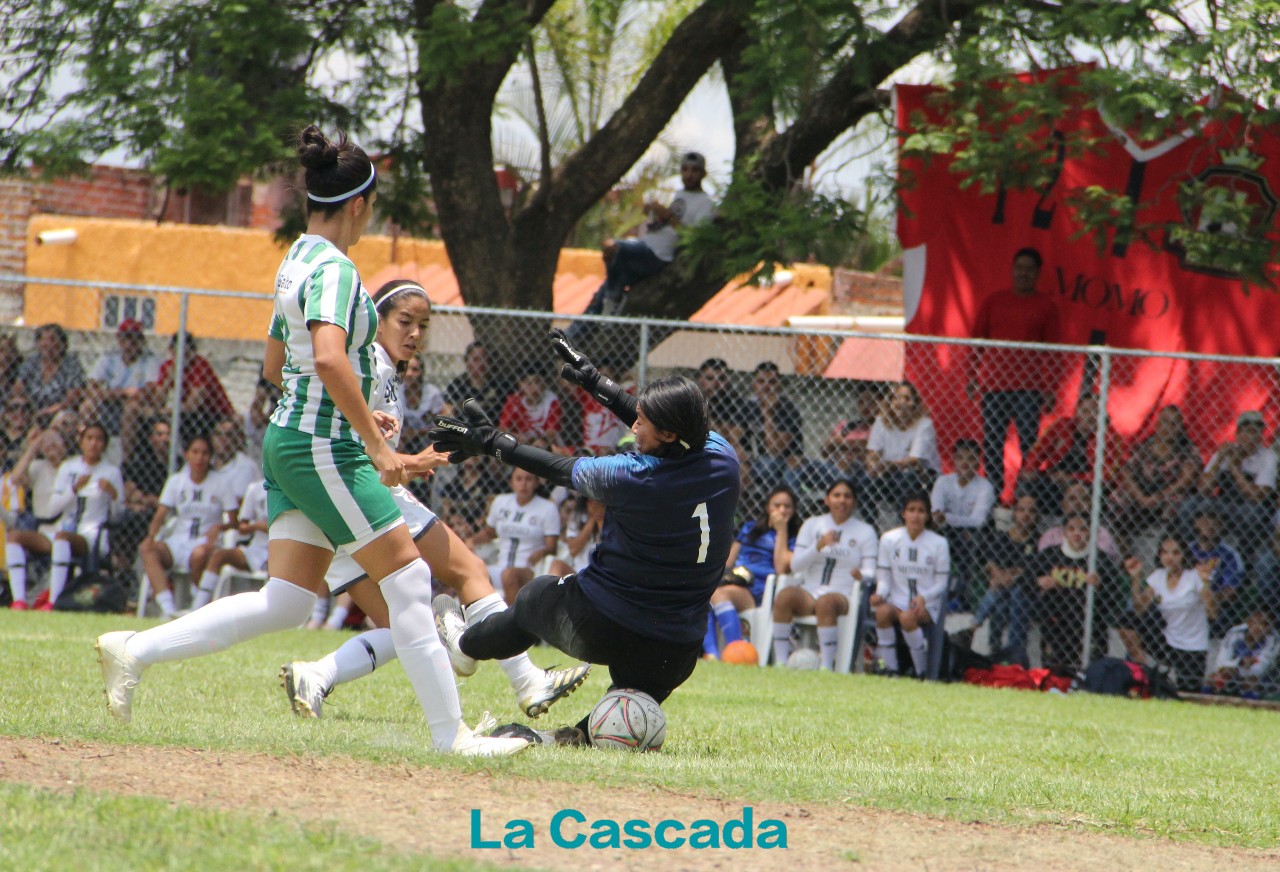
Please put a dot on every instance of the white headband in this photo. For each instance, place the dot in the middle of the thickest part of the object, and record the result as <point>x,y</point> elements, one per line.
<point>413,287</point>
<point>367,182</point>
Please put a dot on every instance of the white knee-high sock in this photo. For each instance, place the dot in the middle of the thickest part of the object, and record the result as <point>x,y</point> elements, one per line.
<point>827,646</point>
<point>413,629</point>
<point>781,643</point>
<point>204,593</point>
<point>164,599</point>
<point>61,569</point>
<point>887,648</point>
<point>15,558</point>
<point>337,617</point>
<point>915,643</point>
<point>321,611</point>
<point>280,605</point>
<point>357,657</point>
<point>520,669</point>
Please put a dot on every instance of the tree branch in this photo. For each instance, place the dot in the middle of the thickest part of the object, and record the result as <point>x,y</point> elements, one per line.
<point>851,93</point>
<point>483,78</point>
<point>587,174</point>
<point>750,128</point>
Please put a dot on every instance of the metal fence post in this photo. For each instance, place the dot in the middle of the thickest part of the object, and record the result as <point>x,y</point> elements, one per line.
<point>1095,509</point>
<point>179,365</point>
<point>642,365</point>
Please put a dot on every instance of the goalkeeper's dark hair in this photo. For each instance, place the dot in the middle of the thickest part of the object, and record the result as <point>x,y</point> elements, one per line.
<point>677,406</point>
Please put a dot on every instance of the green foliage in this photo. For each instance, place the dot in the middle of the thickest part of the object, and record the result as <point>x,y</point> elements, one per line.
<point>208,92</point>
<point>453,38</point>
<point>405,198</point>
<point>203,93</point>
<point>796,48</point>
<point>1161,73</point>
<point>754,233</point>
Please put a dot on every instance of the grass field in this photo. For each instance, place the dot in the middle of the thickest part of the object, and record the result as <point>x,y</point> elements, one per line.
<point>736,736</point>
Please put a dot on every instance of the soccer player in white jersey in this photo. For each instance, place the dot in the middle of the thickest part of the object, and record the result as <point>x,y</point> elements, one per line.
<point>911,583</point>
<point>197,505</point>
<point>251,556</point>
<point>527,528</point>
<point>327,466</point>
<point>832,552</point>
<point>87,493</point>
<point>404,312</point>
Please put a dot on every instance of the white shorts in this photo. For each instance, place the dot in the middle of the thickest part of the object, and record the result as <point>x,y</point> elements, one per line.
<point>255,554</point>
<point>181,547</point>
<point>901,600</point>
<point>818,591</point>
<point>95,537</point>
<point>344,571</point>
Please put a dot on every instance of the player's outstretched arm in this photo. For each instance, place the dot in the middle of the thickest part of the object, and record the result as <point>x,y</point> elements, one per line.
<point>581,372</point>
<point>477,437</point>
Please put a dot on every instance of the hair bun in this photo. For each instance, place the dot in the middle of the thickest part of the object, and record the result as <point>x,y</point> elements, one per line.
<point>315,151</point>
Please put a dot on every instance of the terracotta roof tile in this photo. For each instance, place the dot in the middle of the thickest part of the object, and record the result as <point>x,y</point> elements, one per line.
<point>733,304</point>
<point>868,360</point>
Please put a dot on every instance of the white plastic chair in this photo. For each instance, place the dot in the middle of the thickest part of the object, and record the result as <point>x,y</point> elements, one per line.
<point>760,620</point>
<point>846,627</point>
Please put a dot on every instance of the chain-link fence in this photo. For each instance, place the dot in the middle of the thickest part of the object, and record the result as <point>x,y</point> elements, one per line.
<point>1160,546</point>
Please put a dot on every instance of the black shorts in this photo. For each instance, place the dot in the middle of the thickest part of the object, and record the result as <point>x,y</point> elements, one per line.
<point>556,611</point>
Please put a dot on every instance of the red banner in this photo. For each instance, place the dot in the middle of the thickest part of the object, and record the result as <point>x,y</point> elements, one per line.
<point>1125,292</point>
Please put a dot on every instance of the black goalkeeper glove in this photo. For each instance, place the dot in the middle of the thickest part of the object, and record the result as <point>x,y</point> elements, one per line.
<point>474,437</point>
<point>580,371</point>
<point>577,369</point>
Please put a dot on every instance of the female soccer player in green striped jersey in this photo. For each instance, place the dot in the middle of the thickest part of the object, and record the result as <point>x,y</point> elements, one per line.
<point>327,466</point>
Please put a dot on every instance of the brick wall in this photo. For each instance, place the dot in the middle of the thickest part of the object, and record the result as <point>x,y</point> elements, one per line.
<point>118,192</point>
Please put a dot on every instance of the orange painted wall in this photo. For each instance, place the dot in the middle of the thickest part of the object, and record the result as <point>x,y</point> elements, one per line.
<point>194,256</point>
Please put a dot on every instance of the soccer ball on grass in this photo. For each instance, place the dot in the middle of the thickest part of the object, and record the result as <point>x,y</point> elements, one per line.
<point>628,720</point>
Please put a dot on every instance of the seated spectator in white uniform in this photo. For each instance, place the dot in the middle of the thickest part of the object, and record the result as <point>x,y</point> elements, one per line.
<point>197,505</point>
<point>832,552</point>
<point>911,584</point>
<point>250,551</point>
<point>527,528</point>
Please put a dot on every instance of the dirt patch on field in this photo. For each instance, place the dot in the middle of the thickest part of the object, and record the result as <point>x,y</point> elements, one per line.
<point>428,811</point>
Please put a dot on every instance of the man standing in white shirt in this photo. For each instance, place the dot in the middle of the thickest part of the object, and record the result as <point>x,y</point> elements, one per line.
<point>632,260</point>
<point>962,502</point>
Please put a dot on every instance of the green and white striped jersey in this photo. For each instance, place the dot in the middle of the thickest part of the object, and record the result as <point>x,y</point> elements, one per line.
<point>316,282</point>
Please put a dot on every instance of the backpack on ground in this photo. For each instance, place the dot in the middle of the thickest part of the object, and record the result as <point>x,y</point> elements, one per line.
<point>92,592</point>
<point>1112,675</point>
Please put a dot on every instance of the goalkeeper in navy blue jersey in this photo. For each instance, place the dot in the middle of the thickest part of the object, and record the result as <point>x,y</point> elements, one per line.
<point>640,606</point>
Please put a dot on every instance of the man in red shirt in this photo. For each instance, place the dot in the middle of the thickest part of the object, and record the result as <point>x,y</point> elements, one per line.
<point>1014,384</point>
<point>204,400</point>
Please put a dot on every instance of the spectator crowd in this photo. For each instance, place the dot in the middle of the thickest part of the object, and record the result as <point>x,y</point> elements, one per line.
<point>1186,573</point>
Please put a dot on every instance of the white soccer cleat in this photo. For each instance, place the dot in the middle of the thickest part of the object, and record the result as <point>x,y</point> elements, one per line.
<point>305,691</point>
<point>450,624</point>
<point>121,673</point>
<point>475,743</point>
<point>554,685</point>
